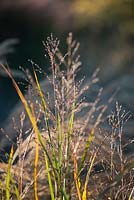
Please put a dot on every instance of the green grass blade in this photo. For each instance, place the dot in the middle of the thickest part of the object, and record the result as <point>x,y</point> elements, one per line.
<point>49,179</point>
<point>43,105</point>
<point>87,146</point>
<point>66,197</point>
<point>8,177</point>
<point>16,191</point>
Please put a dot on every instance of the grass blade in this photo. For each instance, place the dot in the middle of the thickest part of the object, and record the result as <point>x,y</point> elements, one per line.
<point>8,177</point>
<point>84,195</point>
<point>87,146</point>
<point>49,179</point>
<point>36,156</point>
<point>76,179</point>
<point>16,190</point>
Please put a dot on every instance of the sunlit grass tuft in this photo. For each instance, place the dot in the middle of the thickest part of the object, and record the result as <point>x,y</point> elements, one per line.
<point>69,146</point>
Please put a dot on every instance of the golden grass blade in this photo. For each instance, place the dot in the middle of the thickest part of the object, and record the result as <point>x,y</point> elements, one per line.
<point>77,181</point>
<point>1,190</point>
<point>84,195</point>
<point>26,106</point>
<point>36,156</point>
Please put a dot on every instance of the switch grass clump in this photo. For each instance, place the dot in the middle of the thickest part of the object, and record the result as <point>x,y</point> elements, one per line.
<point>70,158</point>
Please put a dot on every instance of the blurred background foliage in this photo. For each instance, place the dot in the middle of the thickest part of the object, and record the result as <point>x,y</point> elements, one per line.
<point>111,25</point>
<point>105,29</point>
